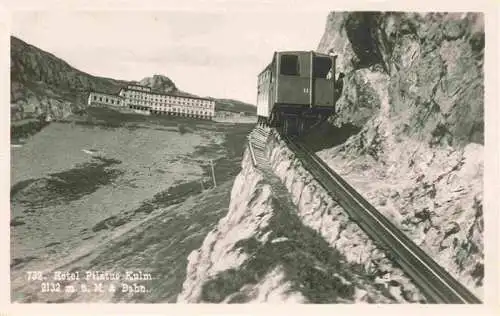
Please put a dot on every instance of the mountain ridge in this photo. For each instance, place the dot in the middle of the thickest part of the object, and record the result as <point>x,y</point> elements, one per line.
<point>42,83</point>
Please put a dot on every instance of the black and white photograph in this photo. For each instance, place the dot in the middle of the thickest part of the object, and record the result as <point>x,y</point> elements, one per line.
<point>229,156</point>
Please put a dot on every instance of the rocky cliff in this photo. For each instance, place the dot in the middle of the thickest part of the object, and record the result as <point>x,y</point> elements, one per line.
<point>159,84</point>
<point>427,67</point>
<point>409,131</point>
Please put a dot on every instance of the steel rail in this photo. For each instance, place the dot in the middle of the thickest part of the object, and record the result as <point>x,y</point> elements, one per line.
<point>252,154</point>
<point>436,284</point>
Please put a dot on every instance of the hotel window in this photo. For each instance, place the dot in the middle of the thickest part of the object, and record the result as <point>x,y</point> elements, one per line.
<point>100,98</point>
<point>95,97</point>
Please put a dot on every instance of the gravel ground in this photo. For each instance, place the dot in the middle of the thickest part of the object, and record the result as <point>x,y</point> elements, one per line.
<point>101,192</point>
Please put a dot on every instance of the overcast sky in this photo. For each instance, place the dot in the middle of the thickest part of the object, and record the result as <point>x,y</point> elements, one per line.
<point>207,53</point>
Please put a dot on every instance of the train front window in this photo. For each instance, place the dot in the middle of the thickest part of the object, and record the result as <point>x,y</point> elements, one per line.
<point>289,65</point>
<point>322,66</point>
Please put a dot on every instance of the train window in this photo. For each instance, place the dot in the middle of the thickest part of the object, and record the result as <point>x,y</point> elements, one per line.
<point>321,67</point>
<point>289,65</point>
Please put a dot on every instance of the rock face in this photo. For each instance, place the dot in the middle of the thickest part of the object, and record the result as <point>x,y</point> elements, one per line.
<point>434,196</point>
<point>41,83</point>
<point>433,64</point>
<point>159,83</point>
<point>414,93</point>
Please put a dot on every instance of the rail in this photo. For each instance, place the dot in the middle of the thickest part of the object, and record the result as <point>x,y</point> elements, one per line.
<point>254,161</point>
<point>437,285</point>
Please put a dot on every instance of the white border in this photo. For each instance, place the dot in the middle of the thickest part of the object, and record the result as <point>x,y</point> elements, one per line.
<point>492,133</point>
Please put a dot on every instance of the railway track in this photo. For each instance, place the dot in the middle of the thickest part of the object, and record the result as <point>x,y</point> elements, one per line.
<point>257,141</point>
<point>437,285</point>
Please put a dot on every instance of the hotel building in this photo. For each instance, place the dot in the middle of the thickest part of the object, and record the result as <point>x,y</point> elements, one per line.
<point>143,98</point>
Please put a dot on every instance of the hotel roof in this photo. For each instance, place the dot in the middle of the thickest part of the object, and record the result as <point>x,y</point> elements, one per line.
<point>174,95</point>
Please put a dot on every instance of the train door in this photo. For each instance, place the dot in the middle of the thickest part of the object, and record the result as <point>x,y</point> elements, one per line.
<point>323,79</point>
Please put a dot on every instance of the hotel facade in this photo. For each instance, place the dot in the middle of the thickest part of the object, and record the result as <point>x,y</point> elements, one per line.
<point>143,98</point>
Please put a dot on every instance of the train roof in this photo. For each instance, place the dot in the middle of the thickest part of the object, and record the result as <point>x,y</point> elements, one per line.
<point>294,52</point>
<point>299,52</point>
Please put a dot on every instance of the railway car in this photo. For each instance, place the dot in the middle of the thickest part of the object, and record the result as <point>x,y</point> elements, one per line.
<point>296,90</point>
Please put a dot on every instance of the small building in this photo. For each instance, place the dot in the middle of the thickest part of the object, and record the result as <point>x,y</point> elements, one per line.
<point>104,99</point>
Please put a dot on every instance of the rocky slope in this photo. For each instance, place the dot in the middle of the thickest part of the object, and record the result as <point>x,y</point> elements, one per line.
<point>411,122</point>
<point>43,83</point>
<point>231,105</point>
<point>285,240</point>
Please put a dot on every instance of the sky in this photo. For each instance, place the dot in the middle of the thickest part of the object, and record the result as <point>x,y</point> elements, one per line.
<point>216,54</point>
